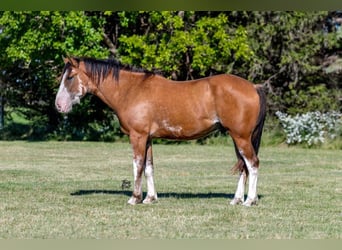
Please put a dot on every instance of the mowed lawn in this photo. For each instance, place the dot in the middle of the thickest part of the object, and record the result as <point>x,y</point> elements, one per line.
<point>68,190</point>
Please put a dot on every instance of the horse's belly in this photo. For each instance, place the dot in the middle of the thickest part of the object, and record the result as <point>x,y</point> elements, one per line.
<point>195,130</point>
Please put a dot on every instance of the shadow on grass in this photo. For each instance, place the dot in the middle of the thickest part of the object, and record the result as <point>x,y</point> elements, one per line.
<point>160,195</point>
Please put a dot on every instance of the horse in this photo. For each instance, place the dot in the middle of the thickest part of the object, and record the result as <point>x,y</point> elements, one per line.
<point>150,106</point>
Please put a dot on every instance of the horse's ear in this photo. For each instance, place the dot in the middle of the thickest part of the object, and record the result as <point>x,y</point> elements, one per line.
<point>73,61</point>
<point>66,59</point>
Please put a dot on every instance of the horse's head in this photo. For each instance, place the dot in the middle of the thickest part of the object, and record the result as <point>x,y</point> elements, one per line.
<point>73,85</point>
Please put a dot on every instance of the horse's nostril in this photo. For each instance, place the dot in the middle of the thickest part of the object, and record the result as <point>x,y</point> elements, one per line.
<point>58,107</point>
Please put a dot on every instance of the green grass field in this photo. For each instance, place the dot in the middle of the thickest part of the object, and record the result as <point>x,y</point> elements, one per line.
<point>68,190</point>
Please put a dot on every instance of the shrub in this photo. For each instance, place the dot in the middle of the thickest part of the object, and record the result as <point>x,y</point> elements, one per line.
<point>310,128</point>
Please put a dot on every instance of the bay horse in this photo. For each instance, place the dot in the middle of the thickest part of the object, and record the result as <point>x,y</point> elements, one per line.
<point>150,106</point>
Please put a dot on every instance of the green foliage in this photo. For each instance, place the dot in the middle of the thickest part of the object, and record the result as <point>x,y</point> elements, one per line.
<point>176,45</point>
<point>290,49</point>
<point>32,45</point>
<point>316,97</point>
<point>31,37</point>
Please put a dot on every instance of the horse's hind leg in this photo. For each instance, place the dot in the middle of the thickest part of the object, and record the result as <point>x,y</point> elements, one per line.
<point>240,190</point>
<point>242,169</point>
<point>247,152</point>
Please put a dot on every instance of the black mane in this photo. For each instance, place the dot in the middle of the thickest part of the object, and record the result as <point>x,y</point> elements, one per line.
<point>98,69</point>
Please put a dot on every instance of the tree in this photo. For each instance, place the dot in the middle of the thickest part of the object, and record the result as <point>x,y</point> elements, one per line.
<point>32,47</point>
<point>184,45</point>
<point>290,49</point>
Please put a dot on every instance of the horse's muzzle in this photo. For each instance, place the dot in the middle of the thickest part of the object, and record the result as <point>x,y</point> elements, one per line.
<point>63,107</point>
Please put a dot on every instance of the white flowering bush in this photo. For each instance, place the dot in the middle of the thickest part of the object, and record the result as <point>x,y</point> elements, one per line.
<point>311,128</point>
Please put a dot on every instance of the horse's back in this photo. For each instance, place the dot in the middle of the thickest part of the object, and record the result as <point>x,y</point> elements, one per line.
<point>231,82</point>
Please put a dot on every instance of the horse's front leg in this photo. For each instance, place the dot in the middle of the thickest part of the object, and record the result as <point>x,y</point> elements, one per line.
<point>151,192</point>
<point>138,143</point>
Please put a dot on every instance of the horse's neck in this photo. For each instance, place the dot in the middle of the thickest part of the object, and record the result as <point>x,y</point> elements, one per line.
<point>115,92</point>
<point>106,91</point>
<point>111,92</point>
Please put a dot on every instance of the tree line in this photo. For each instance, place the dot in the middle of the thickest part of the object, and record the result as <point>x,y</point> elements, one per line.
<point>296,55</point>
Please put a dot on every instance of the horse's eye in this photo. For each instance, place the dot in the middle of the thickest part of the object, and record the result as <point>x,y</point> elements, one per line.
<point>69,78</point>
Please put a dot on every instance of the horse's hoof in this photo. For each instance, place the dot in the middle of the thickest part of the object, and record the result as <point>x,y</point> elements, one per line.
<point>250,202</point>
<point>134,200</point>
<point>150,199</point>
<point>236,201</point>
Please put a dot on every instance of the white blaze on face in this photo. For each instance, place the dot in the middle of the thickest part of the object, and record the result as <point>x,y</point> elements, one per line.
<point>63,99</point>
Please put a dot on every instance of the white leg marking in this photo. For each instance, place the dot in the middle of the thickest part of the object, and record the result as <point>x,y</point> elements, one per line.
<point>135,169</point>
<point>151,192</point>
<point>133,200</point>
<point>252,197</point>
<point>240,191</point>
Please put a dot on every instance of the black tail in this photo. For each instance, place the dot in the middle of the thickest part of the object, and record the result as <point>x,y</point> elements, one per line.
<point>257,133</point>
